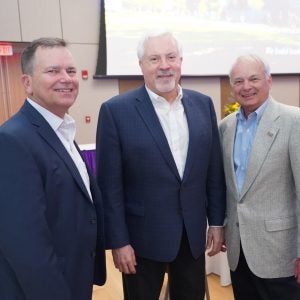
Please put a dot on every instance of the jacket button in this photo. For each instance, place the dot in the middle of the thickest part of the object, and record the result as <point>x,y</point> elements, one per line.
<point>237,224</point>
<point>93,254</point>
<point>93,221</point>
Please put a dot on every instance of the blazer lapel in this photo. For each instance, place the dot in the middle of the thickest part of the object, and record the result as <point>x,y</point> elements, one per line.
<point>146,110</point>
<point>228,141</point>
<point>264,138</point>
<point>47,133</point>
<point>195,127</point>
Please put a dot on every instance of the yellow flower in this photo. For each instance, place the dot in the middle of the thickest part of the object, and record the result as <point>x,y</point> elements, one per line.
<point>230,108</point>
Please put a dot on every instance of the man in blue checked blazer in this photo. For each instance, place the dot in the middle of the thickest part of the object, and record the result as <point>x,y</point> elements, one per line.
<point>160,171</point>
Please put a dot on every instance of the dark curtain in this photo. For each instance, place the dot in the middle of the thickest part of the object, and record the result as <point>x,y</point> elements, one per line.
<point>101,68</point>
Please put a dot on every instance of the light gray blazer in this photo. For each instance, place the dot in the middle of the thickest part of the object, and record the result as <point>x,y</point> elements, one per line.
<point>264,217</point>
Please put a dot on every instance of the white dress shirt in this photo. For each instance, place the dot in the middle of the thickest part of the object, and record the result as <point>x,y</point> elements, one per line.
<point>174,124</point>
<point>65,130</point>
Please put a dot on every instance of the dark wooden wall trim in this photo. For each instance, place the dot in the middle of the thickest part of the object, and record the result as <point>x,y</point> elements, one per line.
<point>128,84</point>
<point>226,96</point>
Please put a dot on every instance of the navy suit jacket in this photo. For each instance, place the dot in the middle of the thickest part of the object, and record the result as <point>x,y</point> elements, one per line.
<point>51,234</point>
<point>146,203</point>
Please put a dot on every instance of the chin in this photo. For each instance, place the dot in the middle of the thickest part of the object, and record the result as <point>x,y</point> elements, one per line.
<point>166,88</point>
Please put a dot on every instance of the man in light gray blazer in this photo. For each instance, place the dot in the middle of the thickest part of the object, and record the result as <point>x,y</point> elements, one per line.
<point>261,151</point>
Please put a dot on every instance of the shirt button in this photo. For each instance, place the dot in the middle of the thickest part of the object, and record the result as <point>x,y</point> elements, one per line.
<point>93,221</point>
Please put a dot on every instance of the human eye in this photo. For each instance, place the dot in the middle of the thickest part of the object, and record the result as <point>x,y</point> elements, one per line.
<point>172,57</point>
<point>154,59</point>
<point>237,82</point>
<point>254,79</point>
<point>71,71</point>
<point>52,71</point>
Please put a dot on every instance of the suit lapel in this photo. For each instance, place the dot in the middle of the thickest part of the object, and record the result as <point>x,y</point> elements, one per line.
<point>195,127</point>
<point>146,110</point>
<point>50,137</point>
<point>264,138</point>
<point>228,141</point>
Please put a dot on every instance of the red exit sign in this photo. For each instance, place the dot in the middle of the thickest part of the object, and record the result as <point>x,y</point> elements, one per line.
<point>6,50</point>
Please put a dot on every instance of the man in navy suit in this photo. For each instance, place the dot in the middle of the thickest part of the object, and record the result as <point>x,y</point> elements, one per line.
<point>160,170</point>
<point>51,224</point>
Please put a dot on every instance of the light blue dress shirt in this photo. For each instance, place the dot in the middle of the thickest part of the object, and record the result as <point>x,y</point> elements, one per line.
<point>244,137</point>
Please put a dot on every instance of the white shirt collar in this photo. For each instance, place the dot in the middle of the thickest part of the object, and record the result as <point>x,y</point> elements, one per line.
<point>54,121</point>
<point>161,103</point>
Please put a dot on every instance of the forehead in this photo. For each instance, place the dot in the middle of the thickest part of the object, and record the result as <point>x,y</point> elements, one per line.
<point>55,56</point>
<point>247,68</point>
<point>160,45</point>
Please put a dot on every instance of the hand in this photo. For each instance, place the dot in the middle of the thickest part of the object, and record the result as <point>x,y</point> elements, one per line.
<point>124,259</point>
<point>215,240</point>
<point>297,269</point>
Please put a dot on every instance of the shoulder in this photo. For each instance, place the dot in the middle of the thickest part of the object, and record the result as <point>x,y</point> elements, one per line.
<point>126,98</point>
<point>123,106</point>
<point>22,128</point>
<point>16,136</point>
<point>197,96</point>
<point>228,121</point>
<point>16,125</point>
<point>198,101</point>
<point>284,111</point>
<point>289,109</point>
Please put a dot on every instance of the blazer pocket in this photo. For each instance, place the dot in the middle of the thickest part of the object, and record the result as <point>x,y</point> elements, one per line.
<point>281,224</point>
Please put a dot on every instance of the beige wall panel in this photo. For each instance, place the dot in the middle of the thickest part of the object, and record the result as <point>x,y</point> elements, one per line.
<point>40,18</point>
<point>9,21</point>
<point>286,89</point>
<point>80,20</point>
<point>91,93</point>
<point>209,86</point>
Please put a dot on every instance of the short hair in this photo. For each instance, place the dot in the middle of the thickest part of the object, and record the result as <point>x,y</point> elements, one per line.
<point>27,57</point>
<point>251,58</point>
<point>157,33</point>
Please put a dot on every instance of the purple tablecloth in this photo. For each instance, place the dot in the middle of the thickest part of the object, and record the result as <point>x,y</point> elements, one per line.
<point>90,158</point>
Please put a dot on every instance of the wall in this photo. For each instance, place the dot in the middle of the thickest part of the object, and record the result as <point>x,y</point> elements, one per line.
<point>77,21</point>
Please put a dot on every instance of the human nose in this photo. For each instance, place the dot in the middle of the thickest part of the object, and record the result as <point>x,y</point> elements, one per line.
<point>164,64</point>
<point>65,76</point>
<point>247,84</point>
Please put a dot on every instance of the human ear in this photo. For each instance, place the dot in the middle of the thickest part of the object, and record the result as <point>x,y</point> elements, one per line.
<point>27,83</point>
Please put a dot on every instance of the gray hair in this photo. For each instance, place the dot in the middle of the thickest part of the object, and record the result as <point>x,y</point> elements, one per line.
<point>151,34</point>
<point>27,57</point>
<point>251,58</point>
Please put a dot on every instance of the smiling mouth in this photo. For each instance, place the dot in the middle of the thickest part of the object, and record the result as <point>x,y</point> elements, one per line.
<point>165,76</point>
<point>64,90</point>
<point>249,95</point>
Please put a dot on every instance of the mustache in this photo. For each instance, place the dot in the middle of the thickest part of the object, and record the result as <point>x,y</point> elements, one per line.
<point>165,73</point>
